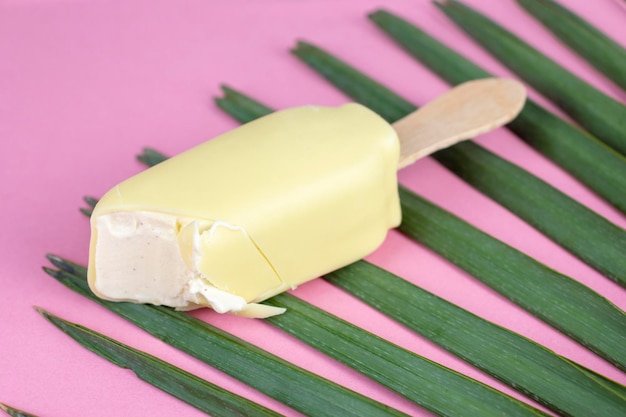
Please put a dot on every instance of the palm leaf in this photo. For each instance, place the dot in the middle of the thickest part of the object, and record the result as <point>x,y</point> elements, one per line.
<point>189,388</point>
<point>586,158</point>
<point>516,361</point>
<point>610,399</point>
<point>560,301</point>
<point>603,116</point>
<point>275,377</point>
<point>423,312</point>
<point>416,378</point>
<point>238,105</point>
<point>598,49</point>
<point>148,156</point>
<point>14,412</point>
<point>578,229</point>
<point>420,380</point>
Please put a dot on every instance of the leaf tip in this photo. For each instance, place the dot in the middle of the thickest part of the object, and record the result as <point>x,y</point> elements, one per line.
<point>52,272</point>
<point>373,15</point>
<point>53,258</point>
<point>223,91</point>
<point>60,263</point>
<point>56,321</point>
<point>226,89</point>
<point>42,311</point>
<point>228,92</point>
<point>301,45</point>
<point>294,49</point>
<point>91,201</point>
<point>87,212</point>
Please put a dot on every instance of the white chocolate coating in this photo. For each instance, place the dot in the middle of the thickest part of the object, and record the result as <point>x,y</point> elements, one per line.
<point>251,213</point>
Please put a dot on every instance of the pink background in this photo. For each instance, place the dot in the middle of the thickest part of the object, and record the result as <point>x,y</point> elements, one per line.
<point>85,84</point>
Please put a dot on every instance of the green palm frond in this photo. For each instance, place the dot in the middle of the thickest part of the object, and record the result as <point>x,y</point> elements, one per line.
<point>584,233</point>
<point>187,387</point>
<point>603,116</point>
<point>598,49</point>
<point>267,373</point>
<point>585,157</point>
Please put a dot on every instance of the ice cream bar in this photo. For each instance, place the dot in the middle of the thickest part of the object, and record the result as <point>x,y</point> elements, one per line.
<point>251,213</point>
<point>274,203</point>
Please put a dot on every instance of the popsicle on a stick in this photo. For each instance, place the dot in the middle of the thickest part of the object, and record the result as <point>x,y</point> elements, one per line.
<point>273,203</point>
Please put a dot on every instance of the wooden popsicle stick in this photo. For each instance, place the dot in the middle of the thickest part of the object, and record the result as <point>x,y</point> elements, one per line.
<point>467,110</point>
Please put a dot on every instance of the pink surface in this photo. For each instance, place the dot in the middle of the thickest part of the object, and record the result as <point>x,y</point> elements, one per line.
<point>85,84</point>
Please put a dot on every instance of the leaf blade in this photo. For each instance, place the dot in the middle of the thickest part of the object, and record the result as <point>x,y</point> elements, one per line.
<point>566,370</point>
<point>187,387</point>
<point>151,157</point>
<point>554,212</point>
<point>418,379</point>
<point>238,105</point>
<point>474,399</point>
<point>597,48</point>
<point>603,116</point>
<point>14,412</point>
<point>586,158</point>
<point>599,325</point>
<point>514,360</point>
<point>307,392</point>
<point>558,300</point>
